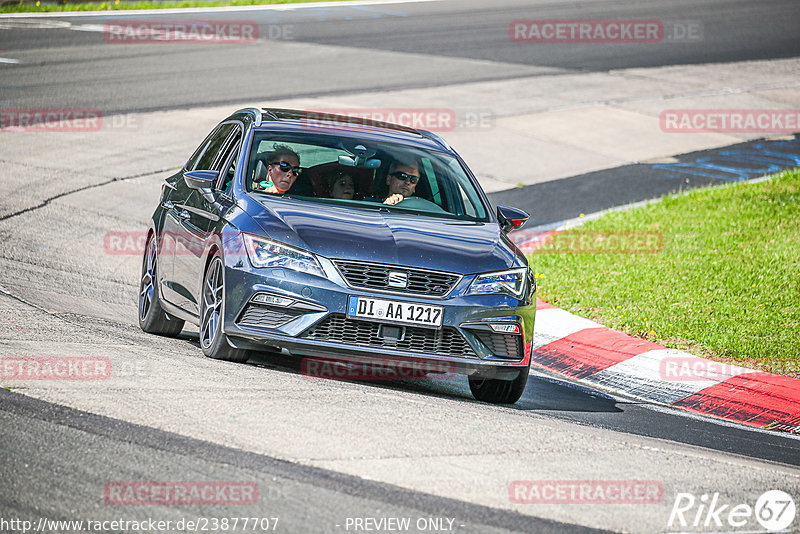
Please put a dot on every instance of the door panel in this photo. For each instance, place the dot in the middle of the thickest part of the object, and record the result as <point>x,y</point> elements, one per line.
<point>197,222</point>
<point>170,230</point>
<point>187,224</point>
<point>199,218</point>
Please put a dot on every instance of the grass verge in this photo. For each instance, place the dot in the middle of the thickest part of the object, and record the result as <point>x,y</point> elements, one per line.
<point>723,280</point>
<point>117,5</point>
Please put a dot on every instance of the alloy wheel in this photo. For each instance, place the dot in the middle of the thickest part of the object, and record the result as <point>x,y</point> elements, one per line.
<point>213,291</point>
<point>147,286</point>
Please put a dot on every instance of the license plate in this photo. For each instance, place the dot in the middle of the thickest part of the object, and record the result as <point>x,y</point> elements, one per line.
<point>392,311</point>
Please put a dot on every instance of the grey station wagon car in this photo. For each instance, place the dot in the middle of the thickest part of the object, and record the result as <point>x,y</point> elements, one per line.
<point>334,237</point>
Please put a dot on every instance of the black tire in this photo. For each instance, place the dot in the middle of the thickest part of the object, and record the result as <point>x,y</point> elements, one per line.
<point>212,309</point>
<point>496,391</point>
<point>152,317</point>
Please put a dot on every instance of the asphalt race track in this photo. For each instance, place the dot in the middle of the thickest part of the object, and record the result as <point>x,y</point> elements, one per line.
<point>367,48</point>
<point>324,454</point>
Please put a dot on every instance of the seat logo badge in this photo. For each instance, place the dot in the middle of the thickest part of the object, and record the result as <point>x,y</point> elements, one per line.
<point>398,280</point>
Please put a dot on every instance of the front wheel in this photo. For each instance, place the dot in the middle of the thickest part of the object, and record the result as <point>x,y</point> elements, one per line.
<point>212,305</point>
<point>496,391</point>
<point>152,318</point>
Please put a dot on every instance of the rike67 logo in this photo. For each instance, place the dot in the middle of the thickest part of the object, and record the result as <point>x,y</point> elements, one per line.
<point>774,510</point>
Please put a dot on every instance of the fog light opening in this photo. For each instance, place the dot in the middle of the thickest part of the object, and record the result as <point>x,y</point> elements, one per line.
<point>506,328</point>
<point>265,298</point>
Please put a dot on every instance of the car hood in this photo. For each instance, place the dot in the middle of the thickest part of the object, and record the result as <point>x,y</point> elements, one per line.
<point>387,237</point>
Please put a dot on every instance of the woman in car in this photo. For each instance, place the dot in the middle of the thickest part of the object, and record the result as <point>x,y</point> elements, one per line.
<point>341,185</point>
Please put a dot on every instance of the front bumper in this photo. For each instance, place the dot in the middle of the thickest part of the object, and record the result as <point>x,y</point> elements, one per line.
<point>310,319</point>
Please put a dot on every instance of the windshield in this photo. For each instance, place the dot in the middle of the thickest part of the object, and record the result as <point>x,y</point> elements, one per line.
<point>362,174</point>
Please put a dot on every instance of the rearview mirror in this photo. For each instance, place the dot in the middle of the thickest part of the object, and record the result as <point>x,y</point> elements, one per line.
<point>349,161</point>
<point>511,218</point>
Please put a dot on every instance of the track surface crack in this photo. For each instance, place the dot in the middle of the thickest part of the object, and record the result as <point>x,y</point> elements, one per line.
<point>47,201</point>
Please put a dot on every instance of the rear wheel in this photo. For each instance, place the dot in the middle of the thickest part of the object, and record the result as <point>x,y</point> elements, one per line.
<point>496,391</point>
<point>212,305</point>
<point>152,318</point>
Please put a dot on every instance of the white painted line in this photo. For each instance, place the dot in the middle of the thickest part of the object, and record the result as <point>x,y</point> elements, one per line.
<point>9,60</point>
<point>100,28</point>
<point>566,224</point>
<point>220,9</point>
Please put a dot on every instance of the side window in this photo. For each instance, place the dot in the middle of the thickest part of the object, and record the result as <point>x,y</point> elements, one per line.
<point>434,184</point>
<point>472,205</point>
<point>199,152</point>
<point>227,164</point>
<point>214,146</point>
<point>469,208</point>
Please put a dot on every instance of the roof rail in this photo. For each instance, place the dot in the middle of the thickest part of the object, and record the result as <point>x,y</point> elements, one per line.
<point>432,136</point>
<point>272,115</point>
<point>255,111</point>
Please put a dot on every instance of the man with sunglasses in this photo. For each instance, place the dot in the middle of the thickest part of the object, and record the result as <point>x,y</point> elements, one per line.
<point>283,168</point>
<point>402,181</point>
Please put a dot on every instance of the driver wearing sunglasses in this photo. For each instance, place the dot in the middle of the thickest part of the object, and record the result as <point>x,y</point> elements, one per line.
<point>283,168</point>
<point>402,181</point>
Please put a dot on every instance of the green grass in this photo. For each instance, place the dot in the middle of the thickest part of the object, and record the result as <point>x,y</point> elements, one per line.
<point>115,5</point>
<point>726,284</point>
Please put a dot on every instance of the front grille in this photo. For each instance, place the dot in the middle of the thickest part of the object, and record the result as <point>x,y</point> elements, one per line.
<point>376,276</point>
<point>266,316</point>
<point>502,345</point>
<point>337,328</point>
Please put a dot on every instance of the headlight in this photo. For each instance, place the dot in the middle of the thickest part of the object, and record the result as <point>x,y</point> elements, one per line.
<point>511,282</point>
<point>268,253</point>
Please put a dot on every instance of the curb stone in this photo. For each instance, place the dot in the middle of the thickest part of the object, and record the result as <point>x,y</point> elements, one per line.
<point>598,356</point>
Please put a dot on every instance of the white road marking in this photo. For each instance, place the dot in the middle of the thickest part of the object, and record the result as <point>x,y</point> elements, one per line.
<point>8,60</point>
<point>9,24</point>
<point>88,27</point>
<point>220,9</point>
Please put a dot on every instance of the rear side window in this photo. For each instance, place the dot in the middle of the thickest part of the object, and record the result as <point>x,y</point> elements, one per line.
<point>214,146</point>
<point>199,152</point>
<point>227,164</point>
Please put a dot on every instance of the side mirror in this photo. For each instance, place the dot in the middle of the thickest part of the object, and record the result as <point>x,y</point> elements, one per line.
<point>202,181</point>
<point>511,218</point>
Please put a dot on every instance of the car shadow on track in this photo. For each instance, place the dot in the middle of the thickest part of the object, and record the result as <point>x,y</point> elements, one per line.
<point>541,393</point>
<point>547,394</point>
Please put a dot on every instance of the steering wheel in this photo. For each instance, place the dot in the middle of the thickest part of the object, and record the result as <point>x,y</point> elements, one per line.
<point>419,203</point>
